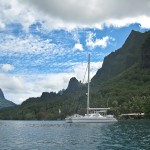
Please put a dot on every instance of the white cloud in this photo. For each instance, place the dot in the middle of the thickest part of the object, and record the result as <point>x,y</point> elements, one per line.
<point>142,20</point>
<point>2,25</point>
<point>79,70</point>
<point>93,42</point>
<point>15,12</point>
<point>78,46</point>
<point>98,11</point>
<point>28,44</point>
<point>7,67</point>
<point>13,82</point>
<point>53,14</point>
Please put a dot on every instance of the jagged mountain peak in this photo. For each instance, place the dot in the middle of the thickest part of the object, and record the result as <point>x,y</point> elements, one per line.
<point>73,80</point>
<point>74,86</point>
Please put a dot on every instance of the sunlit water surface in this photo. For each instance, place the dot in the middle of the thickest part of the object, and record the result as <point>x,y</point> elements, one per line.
<point>58,135</point>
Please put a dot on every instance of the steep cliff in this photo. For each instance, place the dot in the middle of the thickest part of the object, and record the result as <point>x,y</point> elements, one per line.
<point>4,102</point>
<point>123,58</point>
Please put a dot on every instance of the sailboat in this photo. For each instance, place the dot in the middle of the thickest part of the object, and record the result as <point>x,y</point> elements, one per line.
<point>93,115</point>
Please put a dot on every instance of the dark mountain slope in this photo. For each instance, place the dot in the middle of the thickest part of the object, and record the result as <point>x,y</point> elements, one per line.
<point>3,102</point>
<point>145,61</point>
<point>121,59</point>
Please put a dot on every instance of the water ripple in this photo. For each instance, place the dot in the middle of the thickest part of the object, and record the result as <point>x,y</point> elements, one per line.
<point>58,135</point>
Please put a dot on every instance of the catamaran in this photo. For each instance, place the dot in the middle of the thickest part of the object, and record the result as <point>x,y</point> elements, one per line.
<point>94,115</point>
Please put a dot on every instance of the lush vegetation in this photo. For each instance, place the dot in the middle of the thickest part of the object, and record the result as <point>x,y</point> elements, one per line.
<point>126,93</point>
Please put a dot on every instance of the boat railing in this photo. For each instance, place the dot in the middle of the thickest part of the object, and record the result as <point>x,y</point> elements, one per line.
<point>100,109</point>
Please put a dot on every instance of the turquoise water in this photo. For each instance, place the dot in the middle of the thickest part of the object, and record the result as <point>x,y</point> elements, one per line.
<point>58,135</point>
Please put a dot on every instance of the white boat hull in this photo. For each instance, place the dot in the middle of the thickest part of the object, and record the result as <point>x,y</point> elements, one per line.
<point>90,119</point>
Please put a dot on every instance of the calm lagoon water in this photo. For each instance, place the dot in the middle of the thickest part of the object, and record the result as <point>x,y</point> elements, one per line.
<point>58,135</point>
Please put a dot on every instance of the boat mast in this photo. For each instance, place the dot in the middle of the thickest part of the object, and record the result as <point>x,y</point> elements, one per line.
<point>88,94</point>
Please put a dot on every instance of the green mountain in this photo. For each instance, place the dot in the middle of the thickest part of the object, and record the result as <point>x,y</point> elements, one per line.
<point>122,83</point>
<point>3,102</point>
<point>124,79</point>
<point>123,58</point>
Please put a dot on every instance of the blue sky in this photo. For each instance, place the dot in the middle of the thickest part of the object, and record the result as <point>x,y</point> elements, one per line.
<point>45,43</point>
